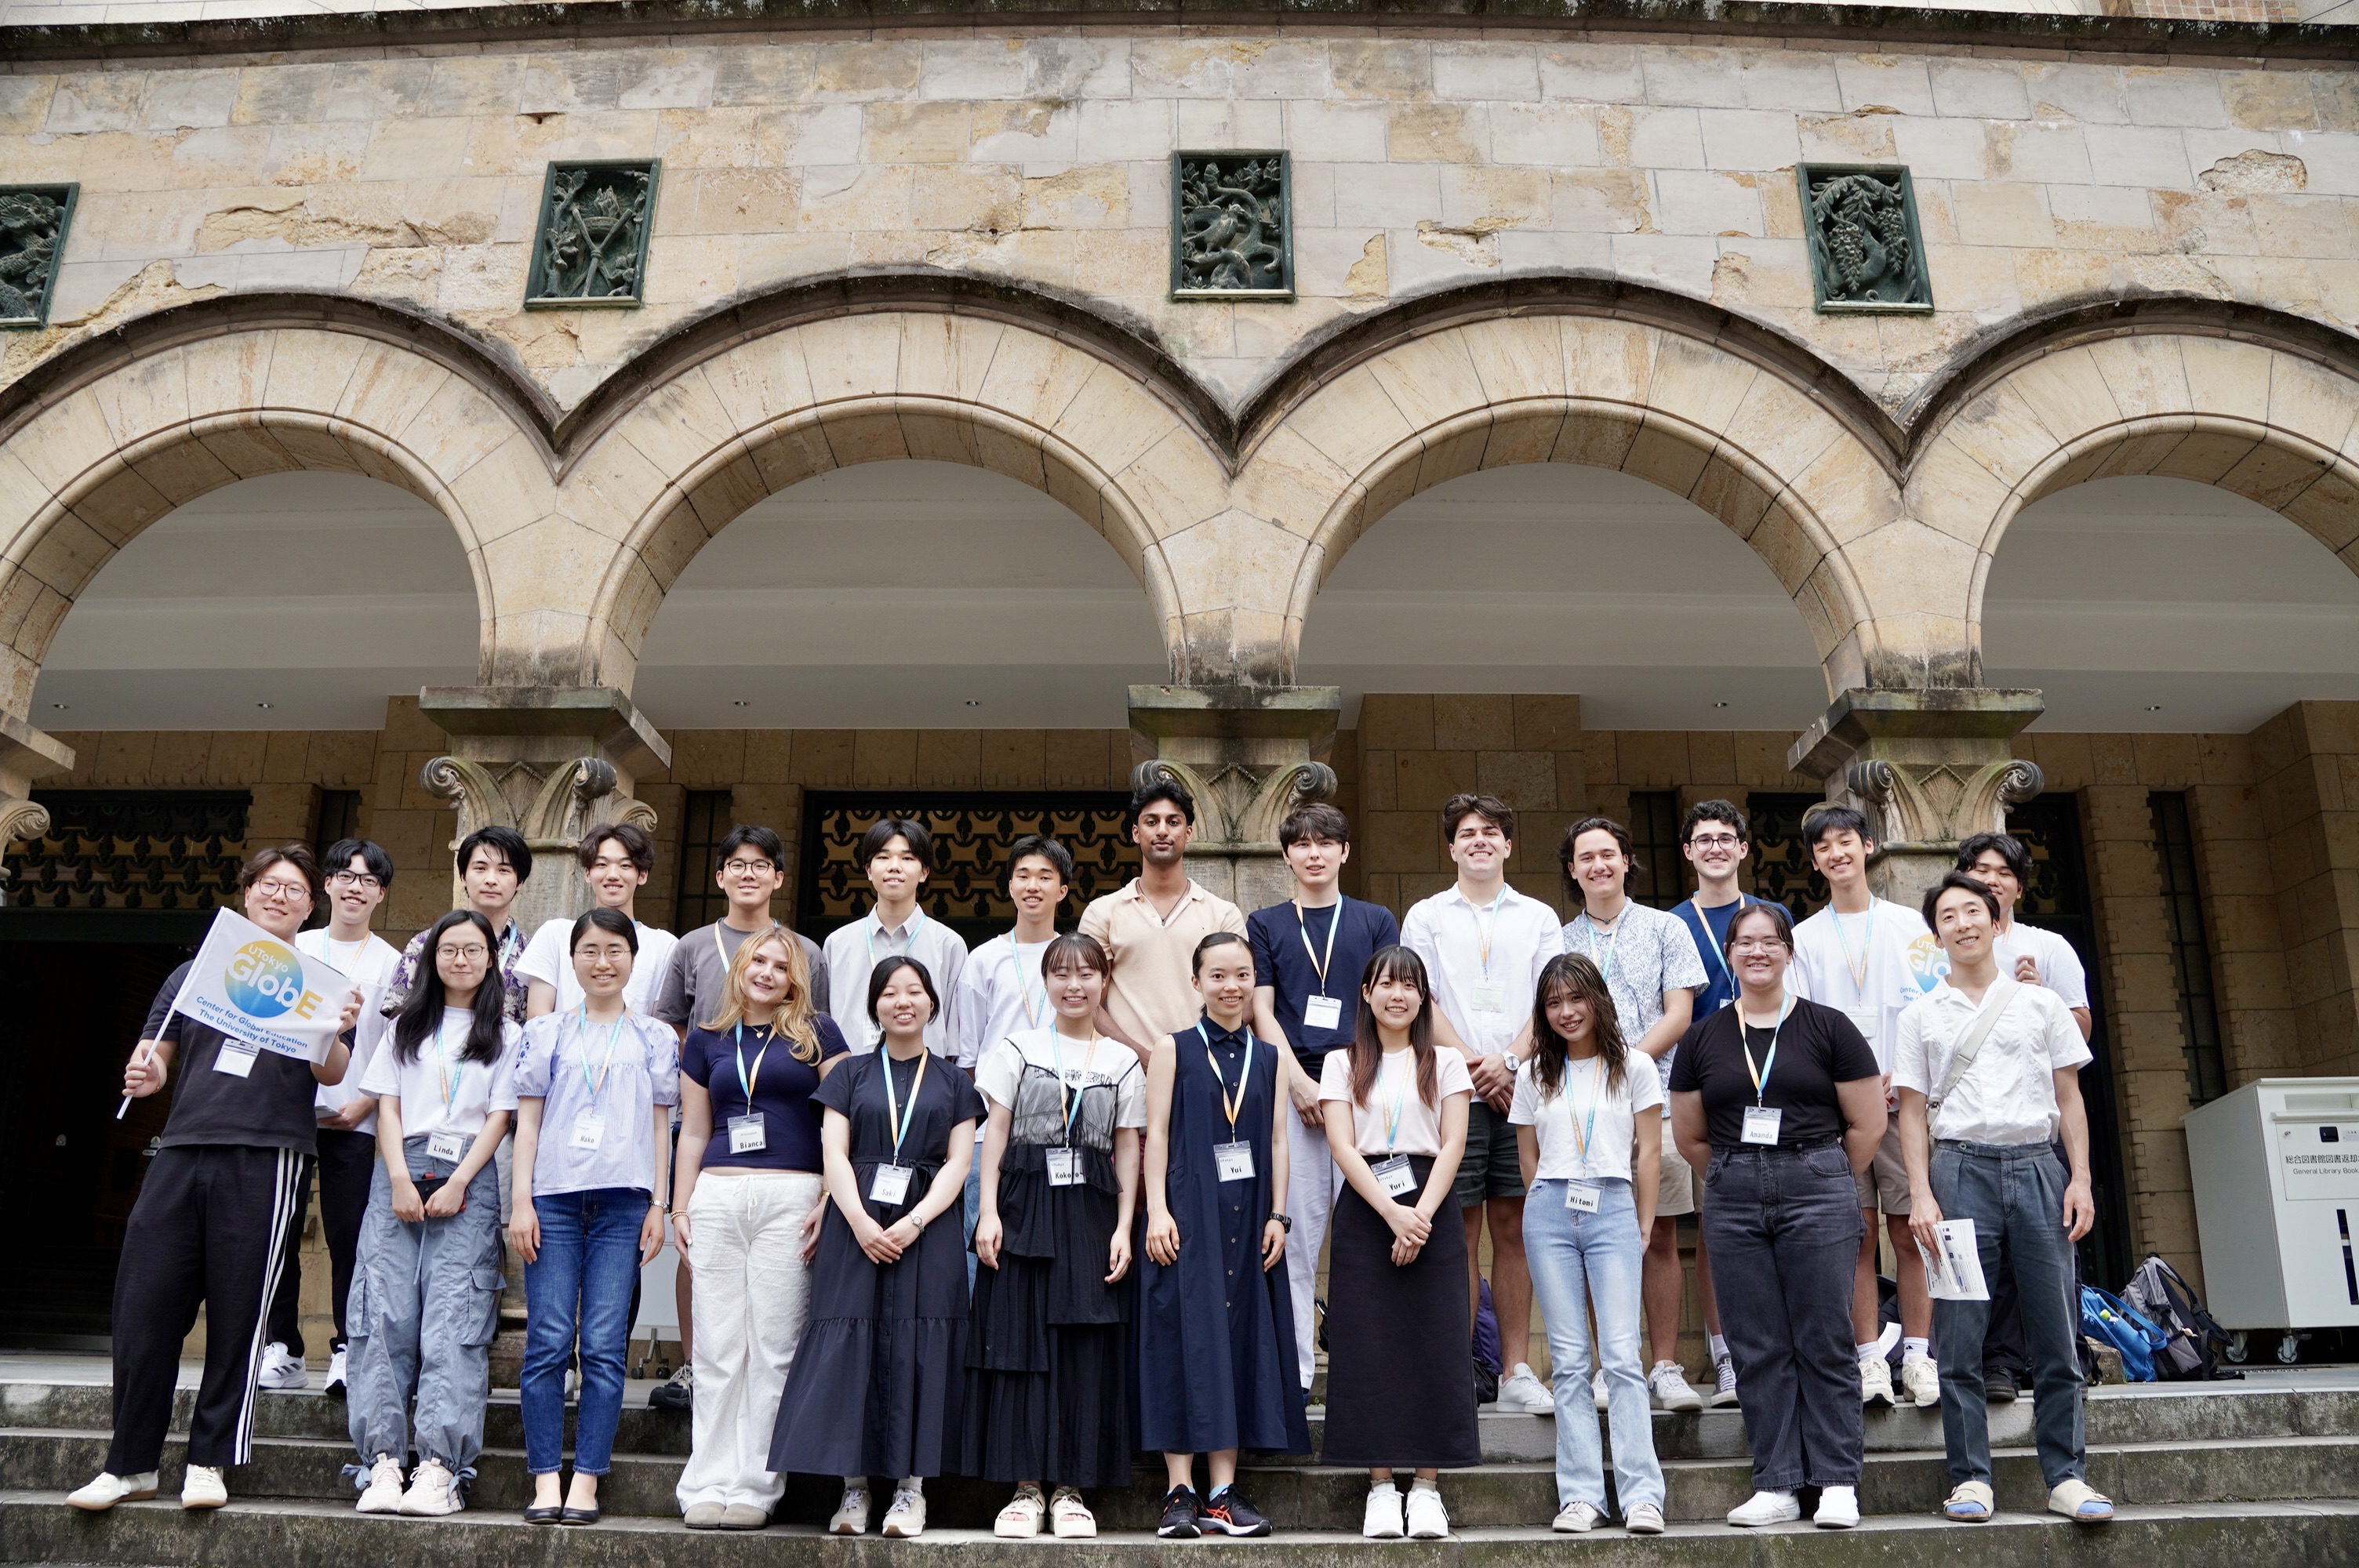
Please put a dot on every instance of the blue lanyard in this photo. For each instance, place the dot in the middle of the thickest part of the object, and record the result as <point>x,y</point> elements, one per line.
<point>605,1065</point>
<point>1088,1065</point>
<point>1392,1122</point>
<point>1719,959</point>
<point>450,1079</point>
<point>1023,996</point>
<point>1585,1131</point>
<point>1232,1104</point>
<point>1768,1063</point>
<point>744,1082</point>
<point>898,1116</point>
<point>1611,940</point>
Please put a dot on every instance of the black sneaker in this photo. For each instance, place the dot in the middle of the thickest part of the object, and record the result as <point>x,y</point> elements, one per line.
<point>1998,1388</point>
<point>1231,1513</point>
<point>678,1394</point>
<point>1179,1515</point>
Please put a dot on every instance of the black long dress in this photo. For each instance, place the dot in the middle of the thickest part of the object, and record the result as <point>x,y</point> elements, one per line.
<point>877,1379</point>
<point>1048,1385</point>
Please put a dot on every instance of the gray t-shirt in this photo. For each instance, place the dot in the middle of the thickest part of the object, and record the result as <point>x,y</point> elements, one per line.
<point>698,972</point>
<point>1649,953</point>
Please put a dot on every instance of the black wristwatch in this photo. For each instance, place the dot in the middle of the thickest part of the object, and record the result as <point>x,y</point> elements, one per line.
<point>1285,1221</point>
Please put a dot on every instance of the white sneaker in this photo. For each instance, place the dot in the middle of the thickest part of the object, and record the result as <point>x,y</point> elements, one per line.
<point>433,1492</point>
<point>1723,1384</point>
<point>109,1488</point>
<point>282,1368</point>
<point>202,1488</point>
<point>1070,1518</point>
<point>1765,1508</point>
<point>1020,1519</point>
<point>1838,1508</point>
<point>1668,1384</point>
<point>335,1383</point>
<point>906,1520</point>
<point>1597,1390</point>
<point>1643,1520</point>
<point>851,1514</point>
<point>383,1493</point>
<point>1521,1391</point>
<point>1921,1380</point>
<point>1426,1519</point>
<point>1576,1518</point>
<point>1383,1519</point>
<point>1876,1382</point>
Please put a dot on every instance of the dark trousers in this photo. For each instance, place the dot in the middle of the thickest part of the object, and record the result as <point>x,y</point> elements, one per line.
<point>346,1163</point>
<point>210,1226</point>
<point>2003,1347</point>
<point>2014,1191</point>
<point>1784,1226</point>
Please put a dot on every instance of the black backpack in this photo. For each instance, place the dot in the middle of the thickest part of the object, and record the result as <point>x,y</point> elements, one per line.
<point>2163,1296</point>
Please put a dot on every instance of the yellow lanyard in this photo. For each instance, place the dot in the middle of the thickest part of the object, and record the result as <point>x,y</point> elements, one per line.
<point>1245,1076</point>
<point>895,1117</point>
<point>1089,1066</point>
<point>1319,965</point>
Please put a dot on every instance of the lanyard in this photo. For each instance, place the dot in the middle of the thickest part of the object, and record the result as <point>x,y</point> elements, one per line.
<point>872,925</point>
<point>599,1083</point>
<point>1769,1062</point>
<point>1245,1076</point>
<point>1581,1131</point>
<point>1718,957</point>
<point>897,1117</point>
<point>1024,997</point>
<point>1867,951</point>
<point>1392,1122</point>
<point>1319,965</point>
<point>744,1080</point>
<point>1088,1065</point>
<point>450,1079</point>
<point>1612,939</point>
<point>1482,934</point>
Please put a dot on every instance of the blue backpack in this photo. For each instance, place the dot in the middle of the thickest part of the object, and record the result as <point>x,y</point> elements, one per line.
<point>2107,1317</point>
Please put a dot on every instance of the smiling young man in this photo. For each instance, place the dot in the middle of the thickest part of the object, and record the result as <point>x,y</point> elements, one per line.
<point>1652,968</point>
<point>1872,957</point>
<point>493,864</point>
<point>616,859</point>
<point>1989,1074</point>
<point>1484,945</point>
<point>1151,925</point>
<point>1309,953</point>
<point>898,855</point>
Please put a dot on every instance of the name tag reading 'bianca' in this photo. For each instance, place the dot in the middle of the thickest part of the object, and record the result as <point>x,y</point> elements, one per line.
<point>1322,1011</point>
<point>1395,1177</point>
<point>890,1184</point>
<point>747,1135</point>
<point>1232,1162</point>
<point>446,1147</point>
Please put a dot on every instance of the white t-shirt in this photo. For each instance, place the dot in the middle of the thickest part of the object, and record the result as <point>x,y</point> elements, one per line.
<point>423,1082</point>
<point>546,960</point>
<point>999,994</point>
<point>1610,1137</point>
<point>1420,1131</point>
<point>2008,1094</point>
<point>1484,963</point>
<point>369,962</point>
<point>1110,1062</point>
<point>1869,966</point>
<point>2060,967</point>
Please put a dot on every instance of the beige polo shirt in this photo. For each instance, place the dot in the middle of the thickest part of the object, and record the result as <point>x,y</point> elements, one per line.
<point>1151,994</point>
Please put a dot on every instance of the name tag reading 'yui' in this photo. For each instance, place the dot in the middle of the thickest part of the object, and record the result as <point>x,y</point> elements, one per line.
<point>1232,1162</point>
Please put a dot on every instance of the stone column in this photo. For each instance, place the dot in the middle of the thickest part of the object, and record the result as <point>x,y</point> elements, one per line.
<point>26,754</point>
<point>1249,755</point>
<point>1928,769</point>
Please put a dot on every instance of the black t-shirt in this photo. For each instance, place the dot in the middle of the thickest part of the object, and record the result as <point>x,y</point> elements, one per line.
<point>1818,1048</point>
<point>270,1108</point>
<point>782,1089</point>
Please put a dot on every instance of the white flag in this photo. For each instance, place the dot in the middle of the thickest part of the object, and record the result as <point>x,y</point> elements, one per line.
<point>251,987</point>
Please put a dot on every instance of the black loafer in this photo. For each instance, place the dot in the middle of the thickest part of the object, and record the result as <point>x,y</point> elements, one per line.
<point>578,1516</point>
<point>543,1516</point>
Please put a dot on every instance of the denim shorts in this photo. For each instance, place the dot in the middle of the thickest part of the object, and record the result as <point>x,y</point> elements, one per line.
<point>1491,1168</point>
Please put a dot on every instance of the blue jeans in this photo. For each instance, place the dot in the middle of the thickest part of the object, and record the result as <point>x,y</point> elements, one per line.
<point>2016,1192</point>
<point>1578,1258</point>
<point>589,1261</point>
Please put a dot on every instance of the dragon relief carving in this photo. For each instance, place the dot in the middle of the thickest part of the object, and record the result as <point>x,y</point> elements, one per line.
<point>1229,226</point>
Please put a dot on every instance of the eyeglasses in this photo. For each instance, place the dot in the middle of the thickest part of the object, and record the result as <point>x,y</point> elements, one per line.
<point>278,891</point>
<point>1757,945</point>
<point>1714,841</point>
<point>471,950</point>
<point>361,880</point>
<point>746,868</point>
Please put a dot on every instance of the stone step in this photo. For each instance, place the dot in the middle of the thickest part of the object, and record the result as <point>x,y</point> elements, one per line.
<point>36,1527</point>
<point>1307,1496</point>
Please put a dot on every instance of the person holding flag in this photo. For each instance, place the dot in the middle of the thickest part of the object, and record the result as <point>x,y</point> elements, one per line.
<point>210,1223</point>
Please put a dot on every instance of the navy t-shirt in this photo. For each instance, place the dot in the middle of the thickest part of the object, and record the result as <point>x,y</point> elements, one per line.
<point>1280,962</point>
<point>782,1093</point>
<point>1708,939</point>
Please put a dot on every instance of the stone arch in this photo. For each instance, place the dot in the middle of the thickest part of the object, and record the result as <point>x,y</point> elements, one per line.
<point>2274,421</point>
<point>1736,434</point>
<point>766,413</point>
<point>106,452</point>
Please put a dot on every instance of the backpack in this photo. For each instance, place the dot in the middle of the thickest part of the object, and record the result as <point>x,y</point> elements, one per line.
<point>2163,1296</point>
<point>2105,1317</point>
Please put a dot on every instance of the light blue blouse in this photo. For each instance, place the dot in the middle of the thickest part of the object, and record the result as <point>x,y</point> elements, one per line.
<point>565,1063</point>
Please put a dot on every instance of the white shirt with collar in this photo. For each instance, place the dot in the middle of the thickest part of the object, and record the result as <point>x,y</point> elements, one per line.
<point>2060,967</point>
<point>1486,1002</point>
<point>368,964</point>
<point>548,959</point>
<point>854,951</point>
<point>2008,1095</point>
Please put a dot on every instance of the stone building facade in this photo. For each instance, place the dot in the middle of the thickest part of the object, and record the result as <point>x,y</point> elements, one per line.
<point>304,244</point>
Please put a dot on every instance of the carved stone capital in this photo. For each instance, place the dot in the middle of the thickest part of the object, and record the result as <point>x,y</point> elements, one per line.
<point>1247,756</point>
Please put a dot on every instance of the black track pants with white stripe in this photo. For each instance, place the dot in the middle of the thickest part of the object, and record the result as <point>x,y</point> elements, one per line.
<point>210,1227</point>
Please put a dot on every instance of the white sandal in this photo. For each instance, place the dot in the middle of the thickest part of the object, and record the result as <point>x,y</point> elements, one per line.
<point>1020,1519</point>
<point>1070,1518</point>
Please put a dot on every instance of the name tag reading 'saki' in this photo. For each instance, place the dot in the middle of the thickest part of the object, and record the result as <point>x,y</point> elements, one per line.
<point>890,1184</point>
<point>446,1147</point>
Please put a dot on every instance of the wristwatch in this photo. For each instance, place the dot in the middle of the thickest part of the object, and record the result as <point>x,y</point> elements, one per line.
<point>1515,1062</point>
<point>1285,1222</point>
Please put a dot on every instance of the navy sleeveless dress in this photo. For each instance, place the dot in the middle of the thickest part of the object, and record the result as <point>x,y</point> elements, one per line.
<point>1216,1359</point>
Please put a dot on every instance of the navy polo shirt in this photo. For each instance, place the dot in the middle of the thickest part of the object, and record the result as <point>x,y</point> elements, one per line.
<point>1280,963</point>
<point>1708,939</point>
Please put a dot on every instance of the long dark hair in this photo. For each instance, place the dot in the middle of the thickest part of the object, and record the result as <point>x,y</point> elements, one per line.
<point>421,1010</point>
<point>1394,962</point>
<point>1579,974</point>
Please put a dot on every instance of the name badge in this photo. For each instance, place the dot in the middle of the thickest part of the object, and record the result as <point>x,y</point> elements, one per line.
<point>1490,999</point>
<point>1232,1162</point>
<point>1761,1123</point>
<point>1395,1177</point>
<point>1322,1011</point>
<point>236,1060</point>
<point>1868,1021</point>
<point>747,1134</point>
<point>1064,1167</point>
<point>446,1147</point>
<point>890,1184</point>
<point>589,1132</point>
<point>1581,1197</point>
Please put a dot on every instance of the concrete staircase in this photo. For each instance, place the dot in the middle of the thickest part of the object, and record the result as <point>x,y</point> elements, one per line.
<point>2232,1474</point>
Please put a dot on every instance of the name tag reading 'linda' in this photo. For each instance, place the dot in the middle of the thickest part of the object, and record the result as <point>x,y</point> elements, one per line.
<point>1322,1011</point>
<point>1395,1177</point>
<point>1761,1123</point>
<point>890,1184</point>
<point>1232,1162</point>
<point>747,1135</point>
<point>446,1147</point>
<point>1064,1167</point>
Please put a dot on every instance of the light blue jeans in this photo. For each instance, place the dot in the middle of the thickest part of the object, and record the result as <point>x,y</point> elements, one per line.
<point>1577,1258</point>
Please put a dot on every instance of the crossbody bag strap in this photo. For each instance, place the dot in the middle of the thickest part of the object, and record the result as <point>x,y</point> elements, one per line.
<point>2003,992</point>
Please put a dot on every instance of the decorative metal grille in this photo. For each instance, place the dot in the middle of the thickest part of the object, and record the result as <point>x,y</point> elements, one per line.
<point>704,821</point>
<point>1232,229</point>
<point>592,247</point>
<point>972,833</point>
<point>1865,252</point>
<point>169,850</point>
<point>33,223</point>
<point>1654,838</point>
<point>2190,948</point>
<point>1782,872</point>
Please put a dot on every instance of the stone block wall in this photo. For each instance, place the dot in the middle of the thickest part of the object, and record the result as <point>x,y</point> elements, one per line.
<point>2306,761</point>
